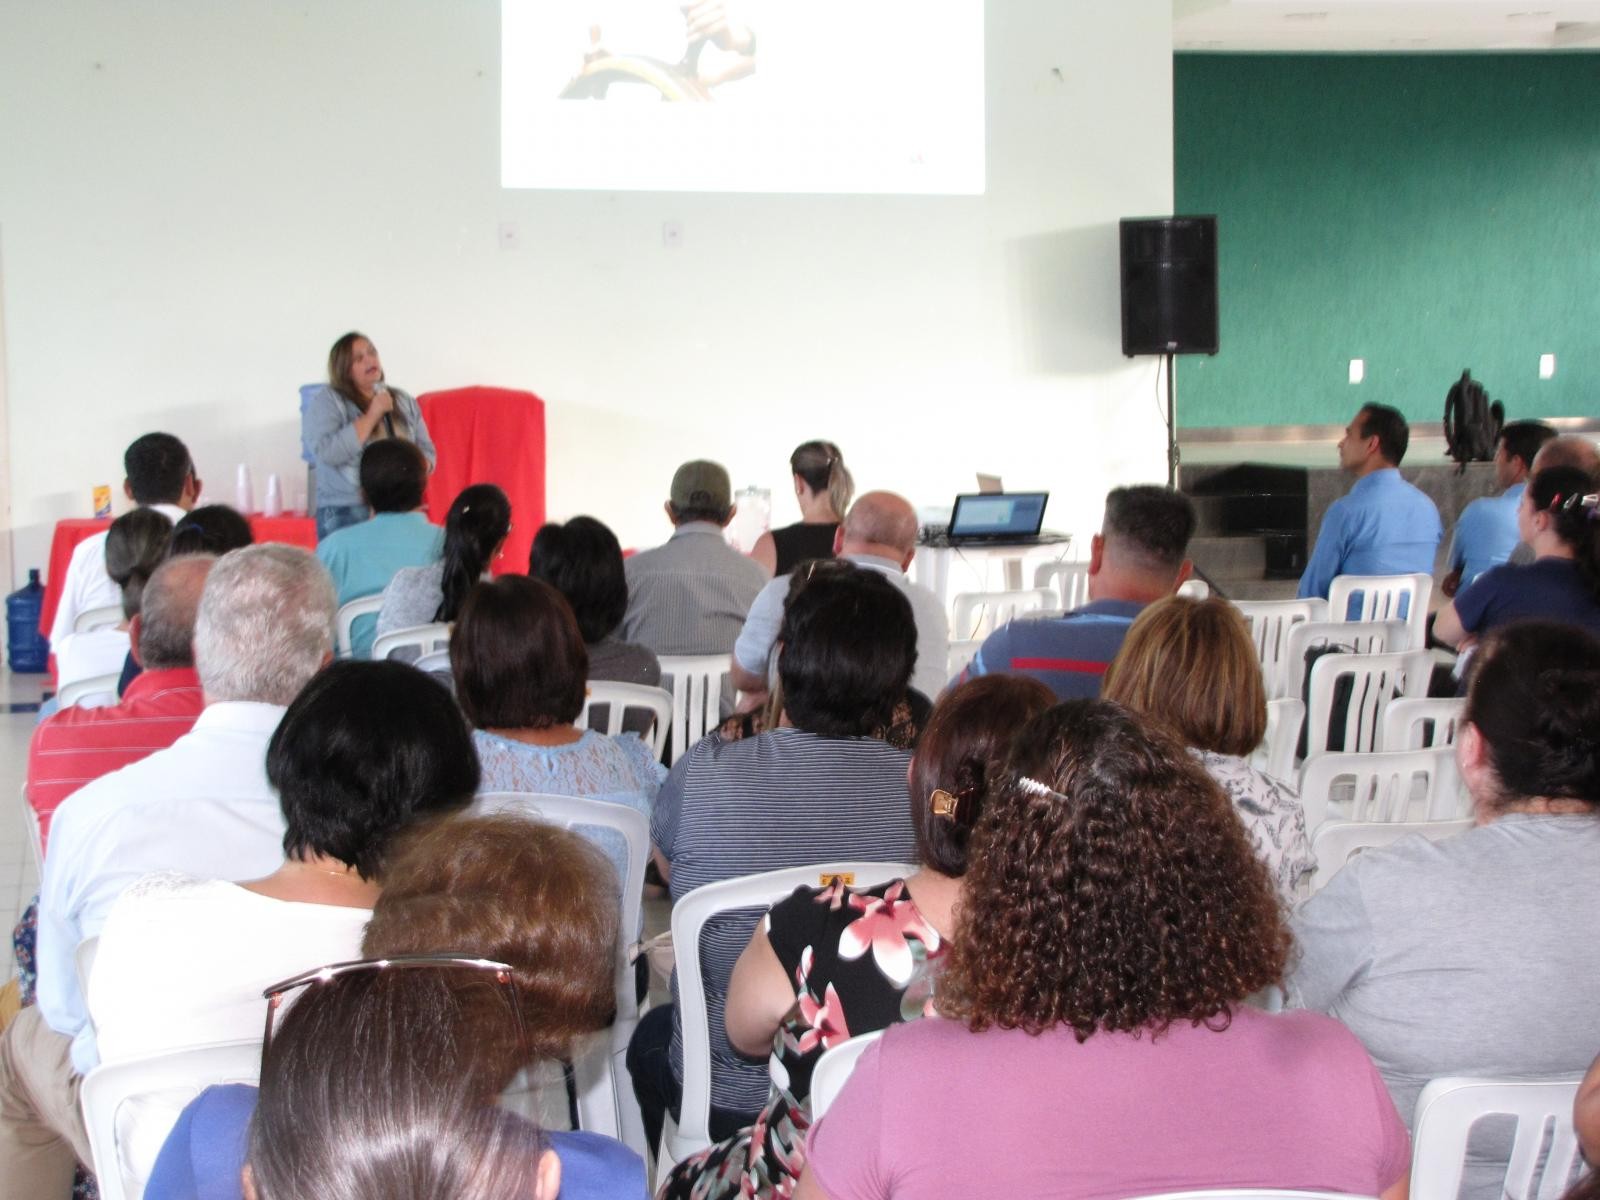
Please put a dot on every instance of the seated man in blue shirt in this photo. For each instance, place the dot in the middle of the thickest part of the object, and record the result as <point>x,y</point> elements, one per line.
<point>1138,557</point>
<point>1486,532</point>
<point>364,557</point>
<point>1383,525</point>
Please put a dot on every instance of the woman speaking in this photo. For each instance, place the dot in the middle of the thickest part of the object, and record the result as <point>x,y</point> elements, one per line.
<point>339,420</point>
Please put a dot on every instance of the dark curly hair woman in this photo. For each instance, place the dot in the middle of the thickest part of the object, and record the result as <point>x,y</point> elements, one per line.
<point>1114,921</point>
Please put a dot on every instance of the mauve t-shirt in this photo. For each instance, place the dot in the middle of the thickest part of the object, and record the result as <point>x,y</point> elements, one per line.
<point>1286,1100</point>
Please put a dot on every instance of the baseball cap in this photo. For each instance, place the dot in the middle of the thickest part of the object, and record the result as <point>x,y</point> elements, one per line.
<point>701,484</point>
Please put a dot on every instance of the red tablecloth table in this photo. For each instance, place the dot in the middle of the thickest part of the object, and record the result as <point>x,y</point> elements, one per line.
<point>295,528</point>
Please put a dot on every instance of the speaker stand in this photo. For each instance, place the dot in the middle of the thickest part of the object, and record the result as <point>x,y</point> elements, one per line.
<point>1172,430</point>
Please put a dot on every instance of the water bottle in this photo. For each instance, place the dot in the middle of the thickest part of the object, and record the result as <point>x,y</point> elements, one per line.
<point>26,647</point>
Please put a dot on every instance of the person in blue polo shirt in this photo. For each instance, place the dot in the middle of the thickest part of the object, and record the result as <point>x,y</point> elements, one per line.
<point>1383,525</point>
<point>1138,557</point>
<point>1486,533</point>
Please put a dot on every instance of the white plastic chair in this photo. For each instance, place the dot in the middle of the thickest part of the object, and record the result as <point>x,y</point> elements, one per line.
<point>424,639</point>
<point>94,691</point>
<point>1382,599</point>
<point>961,653</point>
<point>1275,755</point>
<point>1375,680</point>
<point>606,1103</point>
<point>30,822</point>
<point>832,1071</point>
<point>1417,724</point>
<point>1354,637</point>
<point>130,1107</point>
<point>437,660</point>
<point>1336,842</point>
<point>1445,1114</point>
<point>1391,785</point>
<point>359,607</point>
<point>619,698</point>
<point>689,916</point>
<point>1194,589</point>
<point>1270,622</point>
<point>107,616</point>
<point>1069,581</point>
<point>978,614</point>
<point>695,681</point>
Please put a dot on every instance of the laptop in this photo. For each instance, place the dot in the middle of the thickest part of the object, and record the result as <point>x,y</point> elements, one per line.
<point>1007,517</point>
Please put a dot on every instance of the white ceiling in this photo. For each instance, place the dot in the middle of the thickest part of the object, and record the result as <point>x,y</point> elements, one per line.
<point>1401,26</point>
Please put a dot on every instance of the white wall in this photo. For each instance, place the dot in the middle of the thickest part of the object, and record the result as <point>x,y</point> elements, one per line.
<point>196,198</point>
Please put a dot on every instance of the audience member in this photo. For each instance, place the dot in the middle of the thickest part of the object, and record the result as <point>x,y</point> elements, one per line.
<point>1137,557</point>
<point>1586,1113</point>
<point>805,981</point>
<point>1190,666</point>
<point>822,488</point>
<point>533,896</point>
<point>213,529</point>
<point>1383,525</point>
<point>475,529</point>
<point>1457,957</point>
<point>1568,450</point>
<point>160,475</point>
<point>690,595</point>
<point>78,745</point>
<point>879,534</point>
<point>337,424</point>
<point>1113,921</point>
<point>136,544</point>
<point>583,561</point>
<point>364,557</point>
<point>519,667</point>
<point>203,805</point>
<point>1486,533</point>
<point>1559,517</point>
<point>821,787</point>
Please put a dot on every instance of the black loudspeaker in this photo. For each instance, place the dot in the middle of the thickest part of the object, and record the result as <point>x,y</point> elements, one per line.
<point>1169,285</point>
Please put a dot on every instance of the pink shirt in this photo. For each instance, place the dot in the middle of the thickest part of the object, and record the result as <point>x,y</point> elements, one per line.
<point>1284,1101</point>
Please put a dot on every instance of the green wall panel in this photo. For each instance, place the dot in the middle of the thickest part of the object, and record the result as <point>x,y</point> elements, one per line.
<point>1425,213</point>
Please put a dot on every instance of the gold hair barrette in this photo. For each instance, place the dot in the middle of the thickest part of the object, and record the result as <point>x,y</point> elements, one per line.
<point>944,804</point>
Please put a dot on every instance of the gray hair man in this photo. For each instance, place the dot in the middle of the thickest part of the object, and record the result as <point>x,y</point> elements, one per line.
<point>202,806</point>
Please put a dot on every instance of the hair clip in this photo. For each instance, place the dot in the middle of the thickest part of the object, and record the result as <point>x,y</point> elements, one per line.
<point>1034,788</point>
<point>944,804</point>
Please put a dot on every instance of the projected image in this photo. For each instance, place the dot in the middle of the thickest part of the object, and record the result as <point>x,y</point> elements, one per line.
<point>718,46</point>
<point>743,95</point>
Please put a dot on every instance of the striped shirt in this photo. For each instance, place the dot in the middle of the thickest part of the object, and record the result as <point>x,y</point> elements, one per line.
<point>1069,654</point>
<point>691,595</point>
<point>785,798</point>
<point>78,745</point>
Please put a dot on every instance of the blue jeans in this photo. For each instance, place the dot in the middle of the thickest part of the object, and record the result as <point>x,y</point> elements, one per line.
<point>337,516</point>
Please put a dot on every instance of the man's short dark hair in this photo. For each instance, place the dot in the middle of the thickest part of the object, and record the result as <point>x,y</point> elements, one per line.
<point>394,475</point>
<point>1151,522</point>
<point>1524,440</point>
<point>518,659</point>
<point>583,561</point>
<point>157,466</point>
<point>211,529</point>
<point>1389,427</point>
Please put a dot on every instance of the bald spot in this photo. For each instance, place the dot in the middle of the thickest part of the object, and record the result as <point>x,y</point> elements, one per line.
<point>166,620</point>
<point>880,520</point>
<point>1568,450</point>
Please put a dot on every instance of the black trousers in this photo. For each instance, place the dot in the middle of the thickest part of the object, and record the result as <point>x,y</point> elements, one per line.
<point>658,1090</point>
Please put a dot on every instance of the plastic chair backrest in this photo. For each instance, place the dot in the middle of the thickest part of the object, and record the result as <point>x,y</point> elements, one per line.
<point>438,660</point>
<point>1388,785</point>
<point>95,691</point>
<point>832,1071</point>
<point>689,916</point>
<point>104,617</point>
<point>359,607</point>
<point>1383,598</point>
<point>1275,755</point>
<point>1069,581</point>
<point>35,834</point>
<point>696,685</point>
<point>961,653</point>
<point>1352,637</point>
<point>1194,589</point>
<point>424,639</point>
<point>1447,1109</point>
<point>127,1123</point>
<point>1414,724</point>
<point>619,698</point>
<point>1270,622</point>
<point>1375,680</point>
<point>978,614</point>
<point>1336,842</point>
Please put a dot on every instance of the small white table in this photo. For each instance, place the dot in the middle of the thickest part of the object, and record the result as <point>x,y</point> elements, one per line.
<point>985,566</point>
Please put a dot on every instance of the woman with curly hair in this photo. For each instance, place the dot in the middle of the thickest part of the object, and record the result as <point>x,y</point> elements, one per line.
<point>1114,919</point>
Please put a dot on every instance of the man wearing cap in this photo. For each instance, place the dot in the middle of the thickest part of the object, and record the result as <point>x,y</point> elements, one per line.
<point>691,595</point>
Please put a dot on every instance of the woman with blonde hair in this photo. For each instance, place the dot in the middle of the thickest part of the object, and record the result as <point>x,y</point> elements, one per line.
<point>1190,666</point>
<point>823,487</point>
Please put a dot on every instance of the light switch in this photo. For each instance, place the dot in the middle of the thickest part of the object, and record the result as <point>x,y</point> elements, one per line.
<point>1547,366</point>
<point>1358,370</point>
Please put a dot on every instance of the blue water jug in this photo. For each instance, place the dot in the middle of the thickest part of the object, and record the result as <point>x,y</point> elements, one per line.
<point>26,647</point>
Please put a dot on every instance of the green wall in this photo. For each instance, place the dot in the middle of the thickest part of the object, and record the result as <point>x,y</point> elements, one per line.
<point>1425,213</point>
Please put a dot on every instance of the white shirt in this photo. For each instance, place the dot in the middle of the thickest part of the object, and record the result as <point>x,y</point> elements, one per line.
<point>87,585</point>
<point>86,655</point>
<point>761,627</point>
<point>202,806</point>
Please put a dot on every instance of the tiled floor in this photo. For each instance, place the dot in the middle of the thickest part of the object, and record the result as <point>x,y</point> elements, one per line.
<point>18,879</point>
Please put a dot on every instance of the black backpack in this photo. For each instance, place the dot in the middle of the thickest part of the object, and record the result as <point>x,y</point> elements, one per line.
<point>1471,423</point>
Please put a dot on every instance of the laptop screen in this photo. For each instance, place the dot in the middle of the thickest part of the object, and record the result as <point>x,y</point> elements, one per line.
<point>998,515</point>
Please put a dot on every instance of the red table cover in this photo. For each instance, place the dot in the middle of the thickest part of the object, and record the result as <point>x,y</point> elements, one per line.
<point>489,435</point>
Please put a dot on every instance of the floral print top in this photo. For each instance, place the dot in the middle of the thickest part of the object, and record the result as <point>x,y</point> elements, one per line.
<point>1273,818</point>
<point>861,959</point>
